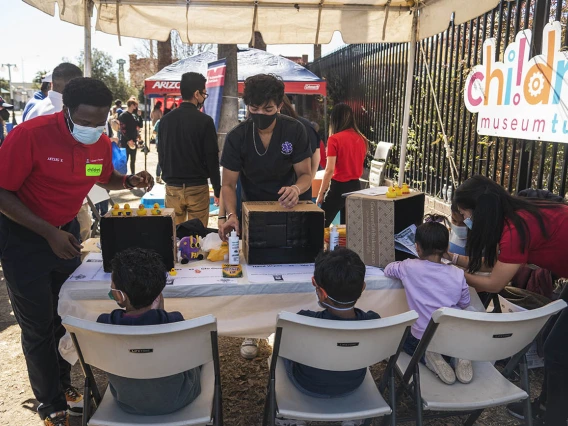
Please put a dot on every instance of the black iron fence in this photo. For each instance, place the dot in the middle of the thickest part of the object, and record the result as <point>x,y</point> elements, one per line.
<point>371,79</point>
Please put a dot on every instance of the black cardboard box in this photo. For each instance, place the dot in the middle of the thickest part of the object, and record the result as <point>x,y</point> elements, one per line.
<point>157,233</point>
<point>372,222</point>
<point>272,234</point>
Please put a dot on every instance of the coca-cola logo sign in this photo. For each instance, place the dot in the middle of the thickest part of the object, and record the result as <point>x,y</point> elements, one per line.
<point>311,87</point>
<point>166,85</point>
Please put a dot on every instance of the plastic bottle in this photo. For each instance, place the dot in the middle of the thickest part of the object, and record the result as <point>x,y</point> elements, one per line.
<point>450,193</point>
<point>333,237</point>
<point>234,258</point>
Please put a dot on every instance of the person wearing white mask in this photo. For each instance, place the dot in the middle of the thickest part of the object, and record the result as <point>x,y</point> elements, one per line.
<point>458,233</point>
<point>47,167</point>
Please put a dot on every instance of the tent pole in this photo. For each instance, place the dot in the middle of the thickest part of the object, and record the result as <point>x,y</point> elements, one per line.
<point>325,119</point>
<point>87,27</point>
<point>407,97</point>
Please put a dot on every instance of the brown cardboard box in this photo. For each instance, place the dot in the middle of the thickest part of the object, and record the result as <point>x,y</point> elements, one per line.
<point>272,234</point>
<point>150,232</point>
<point>372,222</point>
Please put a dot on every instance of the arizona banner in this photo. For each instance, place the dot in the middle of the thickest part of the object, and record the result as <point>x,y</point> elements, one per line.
<point>215,83</point>
<point>522,97</point>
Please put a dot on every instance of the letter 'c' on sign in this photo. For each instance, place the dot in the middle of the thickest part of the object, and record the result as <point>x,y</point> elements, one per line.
<point>474,101</point>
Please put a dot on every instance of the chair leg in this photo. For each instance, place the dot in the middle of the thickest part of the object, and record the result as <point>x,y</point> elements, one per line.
<point>473,417</point>
<point>392,394</point>
<point>86,403</point>
<point>218,420</point>
<point>272,403</point>
<point>418,396</point>
<point>525,385</point>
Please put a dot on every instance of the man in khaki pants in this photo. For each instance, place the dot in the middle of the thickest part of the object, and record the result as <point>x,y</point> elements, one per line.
<point>189,154</point>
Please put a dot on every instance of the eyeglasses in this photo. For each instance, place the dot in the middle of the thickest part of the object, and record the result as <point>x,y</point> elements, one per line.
<point>205,95</point>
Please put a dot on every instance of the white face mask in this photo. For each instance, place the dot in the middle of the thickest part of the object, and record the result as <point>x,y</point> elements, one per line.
<point>324,305</point>
<point>86,135</point>
<point>459,231</point>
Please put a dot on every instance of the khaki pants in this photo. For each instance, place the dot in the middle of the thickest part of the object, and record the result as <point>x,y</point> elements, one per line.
<point>189,202</point>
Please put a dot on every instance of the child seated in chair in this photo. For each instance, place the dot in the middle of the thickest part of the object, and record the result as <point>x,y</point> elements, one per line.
<point>339,279</point>
<point>431,285</point>
<point>138,278</point>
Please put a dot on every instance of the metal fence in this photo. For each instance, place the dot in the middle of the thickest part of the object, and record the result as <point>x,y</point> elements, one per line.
<point>371,78</point>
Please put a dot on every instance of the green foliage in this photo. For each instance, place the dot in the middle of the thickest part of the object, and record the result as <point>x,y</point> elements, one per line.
<point>4,84</point>
<point>38,78</point>
<point>103,69</point>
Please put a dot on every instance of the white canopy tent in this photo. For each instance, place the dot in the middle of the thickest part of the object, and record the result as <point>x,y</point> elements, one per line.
<point>279,21</point>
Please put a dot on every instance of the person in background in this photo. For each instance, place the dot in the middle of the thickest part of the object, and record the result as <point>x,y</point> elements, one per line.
<point>313,140</point>
<point>38,96</point>
<point>339,281</point>
<point>346,152</point>
<point>156,113</point>
<point>270,155</point>
<point>137,281</point>
<point>458,233</point>
<point>4,117</point>
<point>430,285</point>
<point>507,232</point>
<point>129,133</point>
<point>62,74</point>
<point>47,167</point>
<point>188,153</point>
<point>118,108</point>
<point>158,168</point>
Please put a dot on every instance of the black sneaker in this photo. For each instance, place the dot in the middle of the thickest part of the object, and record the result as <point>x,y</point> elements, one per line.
<point>516,409</point>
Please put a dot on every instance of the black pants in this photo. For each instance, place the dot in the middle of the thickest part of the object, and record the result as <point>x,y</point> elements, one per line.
<point>334,201</point>
<point>555,387</point>
<point>132,154</point>
<point>34,276</point>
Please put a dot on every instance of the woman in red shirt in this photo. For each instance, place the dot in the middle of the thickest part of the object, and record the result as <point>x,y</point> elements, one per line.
<point>507,232</point>
<point>346,151</point>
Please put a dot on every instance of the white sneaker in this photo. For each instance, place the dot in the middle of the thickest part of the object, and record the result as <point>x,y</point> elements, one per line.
<point>352,422</point>
<point>289,422</point>
<point>464,370</point>
<point>249,348</point>
<point>440,367</point>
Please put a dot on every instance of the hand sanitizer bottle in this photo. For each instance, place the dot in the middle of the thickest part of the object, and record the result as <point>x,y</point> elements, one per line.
<point>234,249</point>
<point>333,237</point>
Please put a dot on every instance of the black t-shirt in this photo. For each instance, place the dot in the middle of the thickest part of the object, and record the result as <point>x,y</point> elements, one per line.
<point>264,174</point>
<point>332,383</point>
<point>128,128</point>
<point>313,140</point>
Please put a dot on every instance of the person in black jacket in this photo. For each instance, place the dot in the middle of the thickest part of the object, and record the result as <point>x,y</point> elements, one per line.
<point>188,153</point>
<point>129,133</point>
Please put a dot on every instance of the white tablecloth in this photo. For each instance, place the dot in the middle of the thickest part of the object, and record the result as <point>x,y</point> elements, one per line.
<point>242,309</point>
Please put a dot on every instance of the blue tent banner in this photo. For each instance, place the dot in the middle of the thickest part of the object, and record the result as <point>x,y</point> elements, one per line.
<point>215,83</point>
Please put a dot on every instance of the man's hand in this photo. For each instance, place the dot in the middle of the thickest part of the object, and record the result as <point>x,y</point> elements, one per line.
<point>226,228</point>
<point>319,200</point>
<point>64,244</point>
<point>142,180</point>
<point>289,196</point>
<point>216,201</point>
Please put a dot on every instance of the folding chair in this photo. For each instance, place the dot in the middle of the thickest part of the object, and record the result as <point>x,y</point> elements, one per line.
<point>335,346</point>
<point>480,337</point>
<point>149,352</point>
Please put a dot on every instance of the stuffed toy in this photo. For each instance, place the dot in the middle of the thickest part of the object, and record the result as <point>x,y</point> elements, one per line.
<point>189,248</point>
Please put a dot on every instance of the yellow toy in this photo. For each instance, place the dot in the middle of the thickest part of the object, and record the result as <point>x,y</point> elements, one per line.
<point>116,210</point>
<point>391,192</point>
<point>141,210</point>
<point>217,255</point>
<point>405,189</point>
<point>156,211</point>
<point>398,190</point>
<point>173,272</point>
<point>127,210</point>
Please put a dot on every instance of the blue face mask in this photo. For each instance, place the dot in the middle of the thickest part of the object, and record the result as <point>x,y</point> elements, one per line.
<point>468,222</point>
<point>86,135</point>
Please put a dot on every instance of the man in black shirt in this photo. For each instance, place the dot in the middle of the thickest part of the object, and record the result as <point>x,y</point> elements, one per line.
<point>129,132</point>
<point>269,151</point>
<point>189,154</point>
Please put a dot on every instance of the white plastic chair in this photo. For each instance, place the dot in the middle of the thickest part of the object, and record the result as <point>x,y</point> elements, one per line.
<point>148,352</point>
<point>335,346</point>
<point>482,338</point>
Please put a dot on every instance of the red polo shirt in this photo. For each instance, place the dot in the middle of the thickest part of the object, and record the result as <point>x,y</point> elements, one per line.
<point>49,171</point>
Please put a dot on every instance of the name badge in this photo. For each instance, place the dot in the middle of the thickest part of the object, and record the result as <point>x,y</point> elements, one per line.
<point>93,169</point>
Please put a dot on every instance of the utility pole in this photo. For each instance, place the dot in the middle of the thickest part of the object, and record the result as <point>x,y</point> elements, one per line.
<point>10,78</point>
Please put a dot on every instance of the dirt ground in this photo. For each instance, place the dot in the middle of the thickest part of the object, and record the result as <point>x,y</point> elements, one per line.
<point>243,382</point>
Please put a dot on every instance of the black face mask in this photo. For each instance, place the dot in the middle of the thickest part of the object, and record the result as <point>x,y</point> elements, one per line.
<point>262,121</point>
<point>4,114</point>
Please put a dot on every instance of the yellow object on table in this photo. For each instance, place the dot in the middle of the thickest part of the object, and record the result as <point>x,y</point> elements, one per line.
<point>141,210</point>
<point>391,192</point>
<point>116,210</point>
<point>398,190</point>
<point>217,255</point>
<point>156,211</point>
<point>173,272</point>
<point>405,189</point>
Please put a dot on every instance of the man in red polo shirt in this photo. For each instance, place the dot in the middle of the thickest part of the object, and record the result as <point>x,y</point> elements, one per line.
<point>47,167</point>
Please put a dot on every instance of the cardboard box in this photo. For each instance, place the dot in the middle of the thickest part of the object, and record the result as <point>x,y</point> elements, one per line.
<point>157,233</point>
<point>272,234</point>
<point>372,221</point>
